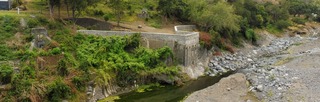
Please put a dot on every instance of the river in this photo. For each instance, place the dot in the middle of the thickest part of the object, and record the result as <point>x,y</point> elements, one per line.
<point>170,93</point>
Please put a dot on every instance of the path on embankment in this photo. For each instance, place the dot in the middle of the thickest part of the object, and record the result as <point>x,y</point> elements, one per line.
<point>168,28</point>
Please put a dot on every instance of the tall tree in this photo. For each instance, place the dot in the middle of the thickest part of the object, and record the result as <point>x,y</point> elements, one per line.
<point>51,4</point>
<point>66,2</point>
<point>77,6</point>
<point>118,7</point>
<point>58,4</point>
<point>218,16</point>
<point>174,8</point>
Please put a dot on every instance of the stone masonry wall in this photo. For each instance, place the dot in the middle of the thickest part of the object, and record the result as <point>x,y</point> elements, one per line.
<point>184,45</point>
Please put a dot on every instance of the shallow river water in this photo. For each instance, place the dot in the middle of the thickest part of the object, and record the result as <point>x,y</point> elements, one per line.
<point>170,93</point>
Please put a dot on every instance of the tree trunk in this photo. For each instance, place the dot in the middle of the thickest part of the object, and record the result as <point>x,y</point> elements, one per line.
<point>51,7</point>
<point>51,11</point>
<point>67,4</point>
<point>118,23</point>
<point>59,15</point>
<point>73,15</point>
<point>118,19</point>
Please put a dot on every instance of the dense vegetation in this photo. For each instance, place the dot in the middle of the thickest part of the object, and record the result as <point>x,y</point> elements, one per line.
<point>70,62</point>
<point>229,22</point>
<point>226,22</point>
<point>76,60</point>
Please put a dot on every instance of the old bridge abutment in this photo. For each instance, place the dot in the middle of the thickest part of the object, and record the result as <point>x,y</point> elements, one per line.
<point>185,43</point>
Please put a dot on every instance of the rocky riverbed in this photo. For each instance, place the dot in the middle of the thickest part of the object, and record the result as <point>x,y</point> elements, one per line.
<point>279,71</point>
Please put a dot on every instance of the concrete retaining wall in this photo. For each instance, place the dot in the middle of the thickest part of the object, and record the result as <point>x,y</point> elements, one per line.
<point>184,29</point>
<point>184,45</point>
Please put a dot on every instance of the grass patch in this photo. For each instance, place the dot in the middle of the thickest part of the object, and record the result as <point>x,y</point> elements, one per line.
<point>272,77</point>
<point>156,22</point>
<point>274,30</point>
<point>284,61</point>
<point>110,99</point>
<point>297,44</point>
<point>270,93</point>
<point>14,13</point>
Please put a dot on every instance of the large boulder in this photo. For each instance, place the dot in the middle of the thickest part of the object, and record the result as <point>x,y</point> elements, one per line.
<point>230,89</point>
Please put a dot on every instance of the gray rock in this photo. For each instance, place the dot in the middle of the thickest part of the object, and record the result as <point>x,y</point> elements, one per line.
<point>210,65</point>
<point>229,89</point>
<point>215,64</point>
<point>228,58</point>
<point>212,75</point>
<point>260,88</point>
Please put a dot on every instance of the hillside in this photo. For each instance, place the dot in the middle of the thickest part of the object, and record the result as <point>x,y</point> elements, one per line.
<point>44,58</point>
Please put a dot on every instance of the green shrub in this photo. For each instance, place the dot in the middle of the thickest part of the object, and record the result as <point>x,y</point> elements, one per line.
<point>42,20</point>
<point>299,20</point>
<point>10,20</point>
<point>6,53</point>
<point>55,51</point>
<point>79,82</point>
<point>62,68</point>
<point>272,29</point>
<point>165,52</point>
<point>20,85</point>
<point>133,41</point>
<point>29,38</point>
<point>16,3</point>
<point>98,12</point>
<point>106,17</point>
<point>22,82</point>
<point>217,39</point>
<point>147,56</point>
<point>259,20</point>
<point>8,28</point>
<point>58,90</point>
<point>6,73</point>
<point>109,55</point>
<point>26,55</point>
<point>67,41</point>
<point>71,59</point>
<point>43,53</point>
<point>32,23</point>
<point>282,24</point>
<point>237,42</point>
<point>250,35</point>
<point>55,25</point>
<point>155,23</point>
<point>28,72</point>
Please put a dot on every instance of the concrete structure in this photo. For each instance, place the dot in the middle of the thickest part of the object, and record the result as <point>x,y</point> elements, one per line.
<point>5,4</point>
<point>183,29</point>
<point>185,45</point>
<point>40,34</point>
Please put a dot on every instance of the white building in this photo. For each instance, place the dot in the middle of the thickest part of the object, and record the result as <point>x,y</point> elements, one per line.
<point>5,4</point>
